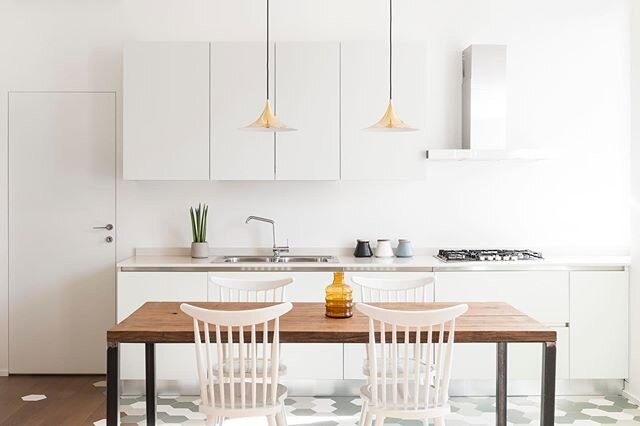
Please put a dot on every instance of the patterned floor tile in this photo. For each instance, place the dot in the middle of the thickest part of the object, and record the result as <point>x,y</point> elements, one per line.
<point>345,411</point>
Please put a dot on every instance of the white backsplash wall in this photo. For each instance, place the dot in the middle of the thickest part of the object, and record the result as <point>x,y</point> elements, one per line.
<point>568,82</point>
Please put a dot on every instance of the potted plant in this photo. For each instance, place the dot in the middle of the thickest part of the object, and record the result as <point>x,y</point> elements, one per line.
<point>199,246</point>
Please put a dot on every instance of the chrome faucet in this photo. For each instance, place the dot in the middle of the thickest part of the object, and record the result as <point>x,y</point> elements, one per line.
<point>276,249</point>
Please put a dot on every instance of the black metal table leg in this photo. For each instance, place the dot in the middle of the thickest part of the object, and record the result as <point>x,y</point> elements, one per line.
<point>548,403</point>
<point>501,384</point>
<point>113,385</point>
<point>150,382</point>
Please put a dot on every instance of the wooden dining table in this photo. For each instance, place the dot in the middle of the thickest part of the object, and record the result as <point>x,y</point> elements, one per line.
<point>485,322</point>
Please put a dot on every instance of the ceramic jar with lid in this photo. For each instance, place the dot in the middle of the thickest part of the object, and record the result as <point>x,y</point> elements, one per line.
<point>383,248</point>
<point>404,249</point>
<point>363,249</point>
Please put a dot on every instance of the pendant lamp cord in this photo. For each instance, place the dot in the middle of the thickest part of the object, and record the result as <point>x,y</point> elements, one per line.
<point>267,49</point>
<point>390,49</point>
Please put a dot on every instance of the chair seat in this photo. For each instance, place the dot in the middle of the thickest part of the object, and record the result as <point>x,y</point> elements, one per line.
<point>282,368</point>
<point>281,394</point>
<point>400,370</point>
<point>366,393</point>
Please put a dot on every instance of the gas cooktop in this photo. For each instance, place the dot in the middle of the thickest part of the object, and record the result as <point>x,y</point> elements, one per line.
<point>487,255</point>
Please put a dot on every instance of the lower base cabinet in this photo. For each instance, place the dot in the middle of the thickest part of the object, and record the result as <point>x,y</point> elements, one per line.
<point>477,361</point>
<point>173,362</point>
<point>599,324</point>
<point>578,305</point>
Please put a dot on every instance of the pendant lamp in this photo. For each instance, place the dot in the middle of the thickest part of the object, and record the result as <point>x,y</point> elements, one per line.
<point>267,121</point>
<point>390,121</point>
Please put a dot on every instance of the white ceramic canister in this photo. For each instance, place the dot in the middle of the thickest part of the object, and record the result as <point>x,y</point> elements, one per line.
<point>384,249</point>
<point>404,249</point>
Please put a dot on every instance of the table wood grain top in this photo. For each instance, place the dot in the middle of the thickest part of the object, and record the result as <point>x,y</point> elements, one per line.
<point>484,322</point>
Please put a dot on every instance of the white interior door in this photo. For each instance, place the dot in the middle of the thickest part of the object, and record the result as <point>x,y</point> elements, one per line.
<point>61,270</point>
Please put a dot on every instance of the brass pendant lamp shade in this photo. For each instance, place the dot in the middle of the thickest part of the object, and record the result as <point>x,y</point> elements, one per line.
<point>267,121</point>
<point>390,121</point>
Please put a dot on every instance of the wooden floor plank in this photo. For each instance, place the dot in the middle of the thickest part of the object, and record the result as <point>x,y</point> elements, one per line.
<point>71,400</point>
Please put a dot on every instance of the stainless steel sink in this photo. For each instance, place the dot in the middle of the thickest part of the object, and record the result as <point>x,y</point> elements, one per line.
<point>275,259</point>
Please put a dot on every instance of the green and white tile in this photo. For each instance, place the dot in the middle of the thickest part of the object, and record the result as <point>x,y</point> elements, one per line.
<point>345,411</point>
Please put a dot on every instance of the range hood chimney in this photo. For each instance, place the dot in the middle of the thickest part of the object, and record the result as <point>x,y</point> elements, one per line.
<point>484,97</point>
<point>484,109</point>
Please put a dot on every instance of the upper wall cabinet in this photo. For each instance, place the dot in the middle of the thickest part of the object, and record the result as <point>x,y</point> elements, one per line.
<point>166,111</point>
<point>238,93</point>
<point>308,99</point>
<point>368,155</point>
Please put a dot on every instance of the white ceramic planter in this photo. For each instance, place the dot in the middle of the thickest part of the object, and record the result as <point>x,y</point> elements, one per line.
<point>199,250</point>
<point>383,249</point>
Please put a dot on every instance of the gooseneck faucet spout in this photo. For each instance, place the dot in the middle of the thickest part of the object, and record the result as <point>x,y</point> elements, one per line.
<point>276,249</point>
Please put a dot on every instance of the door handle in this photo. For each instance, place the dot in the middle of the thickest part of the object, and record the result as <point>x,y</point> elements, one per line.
<point>108,227</point>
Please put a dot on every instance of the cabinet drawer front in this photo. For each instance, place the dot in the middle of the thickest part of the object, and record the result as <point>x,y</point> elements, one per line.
<point>543,295</point>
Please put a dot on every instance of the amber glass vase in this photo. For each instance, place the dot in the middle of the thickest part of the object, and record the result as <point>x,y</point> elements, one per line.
<point>339,298</point>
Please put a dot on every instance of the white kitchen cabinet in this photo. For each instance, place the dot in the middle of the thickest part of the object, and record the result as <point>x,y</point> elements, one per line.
<point>166,111</point>
<point>308,99</point>
<point>477,361</point>
<point>543,295</point>
<point>326,358</point>
<point>599,324</point>
<point>368,155</point>
<point>355,353</point>
<point>238,93</point>
<point>175,361</point>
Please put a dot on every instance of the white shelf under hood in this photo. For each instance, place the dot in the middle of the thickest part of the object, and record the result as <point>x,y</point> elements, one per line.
<point>486,155</point>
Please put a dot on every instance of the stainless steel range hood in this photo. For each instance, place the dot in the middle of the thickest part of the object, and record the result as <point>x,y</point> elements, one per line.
<point>484,108</point>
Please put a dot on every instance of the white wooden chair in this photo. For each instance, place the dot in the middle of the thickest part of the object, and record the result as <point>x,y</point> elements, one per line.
<point>384,290</point>
<point>239,290</point>
<point>403,394</point>
<point>251,394</point>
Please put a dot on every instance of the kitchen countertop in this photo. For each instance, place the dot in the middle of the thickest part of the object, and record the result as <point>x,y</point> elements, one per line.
<point>420,263</point>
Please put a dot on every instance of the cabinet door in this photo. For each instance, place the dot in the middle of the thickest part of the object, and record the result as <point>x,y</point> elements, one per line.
<point>355,353</point>
<point>173,362</point>
<point>544,295</point>
<point>238,92</point>
<point>477,361</point>
<point>308,98</point>
<point>166,111</point>
<point>599,325</point>
<point>365,93</point>
<point>307,287</point>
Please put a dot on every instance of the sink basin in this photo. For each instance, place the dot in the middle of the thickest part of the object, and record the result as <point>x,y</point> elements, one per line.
<point>272,259</point>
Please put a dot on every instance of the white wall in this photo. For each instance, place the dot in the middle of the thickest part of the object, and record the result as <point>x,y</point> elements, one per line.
<point>568,91</point>
<point>634,371</point>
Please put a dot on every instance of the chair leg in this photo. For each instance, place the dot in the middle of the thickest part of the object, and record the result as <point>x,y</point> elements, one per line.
<point>440,421</point>
<point>281,417</point>
<point>379,420</point>
<point>368,419</point>
<point>271,420</point>
<point>363,412</point>
<point>212,420</point>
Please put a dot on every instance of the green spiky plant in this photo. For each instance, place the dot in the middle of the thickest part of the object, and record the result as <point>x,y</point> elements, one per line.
<point>199,223</point>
